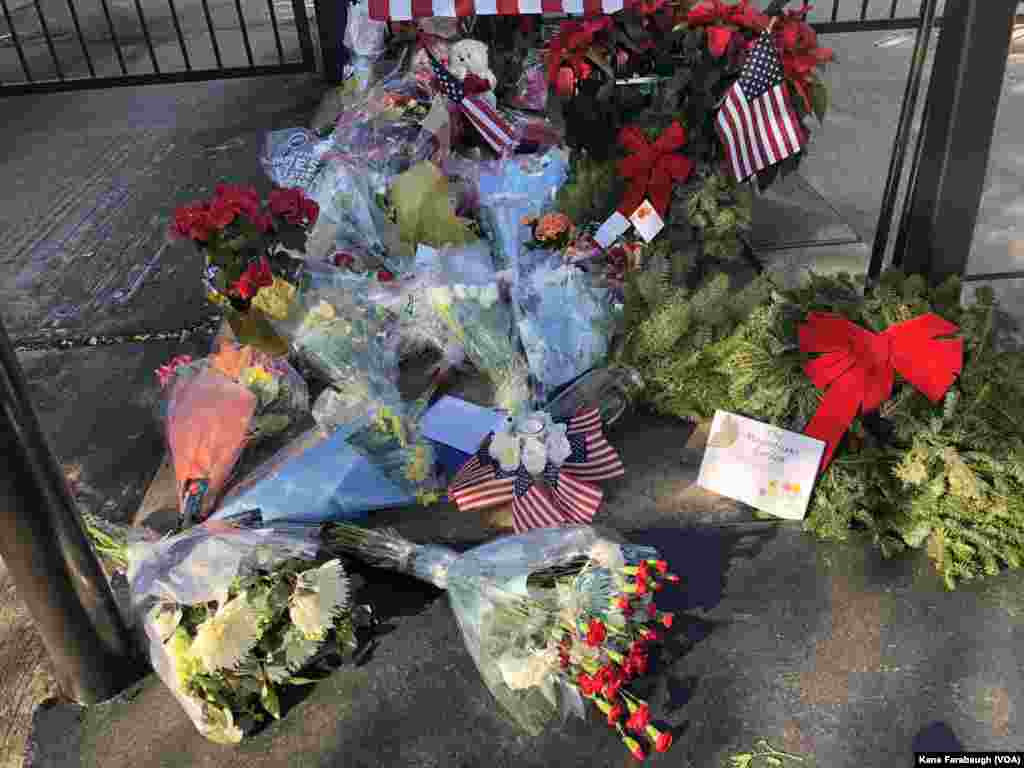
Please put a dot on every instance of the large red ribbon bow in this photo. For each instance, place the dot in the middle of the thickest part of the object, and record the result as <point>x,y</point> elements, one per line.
<point>858,368</point>
<point>652,168</point>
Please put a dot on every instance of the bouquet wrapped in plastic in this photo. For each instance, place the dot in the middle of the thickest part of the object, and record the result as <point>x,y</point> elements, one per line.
<point>381,134</point>
<point>512,193</point>
<point>234,614</point>
<point>464,300</point>
<point>565,321</point>
<point>552,618</point>
<point>546,470</point>
<point>367,40</point>
<point>214,407</point>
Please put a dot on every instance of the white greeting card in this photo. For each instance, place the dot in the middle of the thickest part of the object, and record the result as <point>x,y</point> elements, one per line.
<point>647,221</point>
<point>460,424</point>
<point>613,228</point>
<point>768,468</point>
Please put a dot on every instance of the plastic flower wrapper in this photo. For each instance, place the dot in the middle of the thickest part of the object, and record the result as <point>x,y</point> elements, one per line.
<point>472,315</point>
<point>343,325</point>
<point>112,543</point>
<point>422,207</point>
<point>213,408</point>
<point>381,133</point>
<point>565,322</point>
<point>367,40</point>
<point>552,618</point>
<point>292,157</point>
<point>232,615</point>
<point>514,191</point>
<point>544,468</point>
<point>531,92</point>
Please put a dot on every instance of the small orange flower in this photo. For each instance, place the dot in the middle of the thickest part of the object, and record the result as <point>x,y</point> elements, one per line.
<point>552,226</point>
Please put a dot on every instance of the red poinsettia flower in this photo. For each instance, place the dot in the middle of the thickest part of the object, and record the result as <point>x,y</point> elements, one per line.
<point>716,16</point>
<point>588,685</point>
<point>385,276</point>
<point>255,277</point>
<point>640,719</point>
<point>263,222</point>
<point>637,663</point>
<point>652,611</point>
<point>222,213</point>
<point>664,741</point>
<point>650,7</point>
<point>745,16</point>
<point>572,42</point>
<point>565,82</point>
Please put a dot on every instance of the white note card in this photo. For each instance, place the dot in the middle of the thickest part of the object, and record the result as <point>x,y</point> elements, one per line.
<point>613,228</point>
<point>647,221</point>
<point>459,424</point>
<point>765,467</point>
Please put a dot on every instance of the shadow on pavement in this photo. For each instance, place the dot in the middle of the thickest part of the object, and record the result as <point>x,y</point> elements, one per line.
<point>936,737</point>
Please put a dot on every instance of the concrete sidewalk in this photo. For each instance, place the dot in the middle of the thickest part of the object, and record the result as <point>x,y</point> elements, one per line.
<point>824,650</point>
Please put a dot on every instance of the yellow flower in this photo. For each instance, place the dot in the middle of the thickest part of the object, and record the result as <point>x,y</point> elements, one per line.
<point>320,595</point>
<point>219,726</point>
<point>276,301</point>
<point>256,376</point>
<point>224,639</point>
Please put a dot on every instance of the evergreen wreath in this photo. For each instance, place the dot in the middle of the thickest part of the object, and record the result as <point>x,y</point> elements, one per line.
<point>949,477</point>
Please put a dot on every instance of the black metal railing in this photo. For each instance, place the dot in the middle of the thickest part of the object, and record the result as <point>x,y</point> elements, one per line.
<point>37,51</point>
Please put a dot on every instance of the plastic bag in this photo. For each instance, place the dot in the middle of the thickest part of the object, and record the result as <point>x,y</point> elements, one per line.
<point>255,602</point>
<point>550,617</point>
<point>292,158</point>
<point>565,322</point>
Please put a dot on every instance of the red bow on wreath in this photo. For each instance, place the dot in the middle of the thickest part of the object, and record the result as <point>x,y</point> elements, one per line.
<point>560,495</point>
<point>858,367</point>
<point>652,168</point>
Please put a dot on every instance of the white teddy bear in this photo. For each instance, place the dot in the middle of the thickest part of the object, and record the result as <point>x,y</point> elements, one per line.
<point>469,57</point>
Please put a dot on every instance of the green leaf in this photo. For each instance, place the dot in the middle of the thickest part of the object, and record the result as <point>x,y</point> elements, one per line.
<point>270,702</point>
<point>253,329</point>
<point>820,100</point>
<point>301,681</point>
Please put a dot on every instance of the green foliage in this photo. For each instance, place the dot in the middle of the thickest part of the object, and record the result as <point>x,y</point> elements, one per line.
<point>949,477</point>
<point>722,211</point>
<point>589,194</point>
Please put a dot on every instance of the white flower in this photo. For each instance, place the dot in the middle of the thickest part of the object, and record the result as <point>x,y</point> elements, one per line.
<point>489,296</point>
<point>460,292</point>
<point>165,619</point>
<point>535,456</point>
<point>224,639</point>
<point>219,725</point>
<point>607,555</point>
<point>531,672</point>
<point>558,444</point>
<point>505,450</point>
<point>320,595</point>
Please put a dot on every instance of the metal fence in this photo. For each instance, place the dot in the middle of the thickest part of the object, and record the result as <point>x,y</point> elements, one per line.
<point>66,45</point>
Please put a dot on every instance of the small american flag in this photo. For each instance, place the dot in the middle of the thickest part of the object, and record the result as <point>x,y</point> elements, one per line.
<point>562,495</point>
<point>756,123</point>
<point>492,126</point>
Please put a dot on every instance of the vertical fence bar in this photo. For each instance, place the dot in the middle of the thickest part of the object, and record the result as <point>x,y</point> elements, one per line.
<point>213,34</point>
<point>331,16</point>
<point>899,152</point>
<point>49,557</point>
<point>900,246</point>
<point>893,9</point>
<point>17,41</point>
<point>966,86</point>
<point>81,37</point>
<point>835,9</point>
<point>245,32</point>
<point>277,31</point>
<point>145,34</point>
<point>181,37</point>
<point>49,40</point>
<point>864,10</point>
<point>113,37</point>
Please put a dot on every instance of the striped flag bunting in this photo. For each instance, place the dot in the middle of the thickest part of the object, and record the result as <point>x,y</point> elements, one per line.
<point>563,495</point>
<point>756,123</point>
<point>407,10</point>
